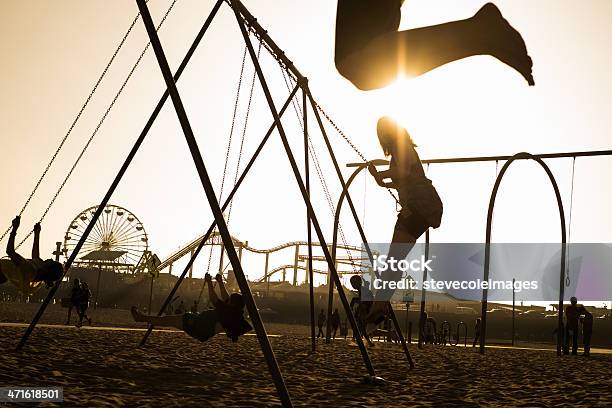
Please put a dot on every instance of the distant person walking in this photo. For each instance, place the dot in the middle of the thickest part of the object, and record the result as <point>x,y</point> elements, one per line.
<point>335,322</point>
<point>74,298</point>
<point>321,319</point>
<point>372,53</point>
<point>194,307</point>
<point>477,329</point>
<point>83,303</point>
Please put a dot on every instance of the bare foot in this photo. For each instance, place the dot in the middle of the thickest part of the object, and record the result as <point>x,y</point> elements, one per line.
<point>504,42</point>
<point>138,317</point>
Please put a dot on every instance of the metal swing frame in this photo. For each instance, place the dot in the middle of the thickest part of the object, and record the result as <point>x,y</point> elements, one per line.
<point>246,23</point>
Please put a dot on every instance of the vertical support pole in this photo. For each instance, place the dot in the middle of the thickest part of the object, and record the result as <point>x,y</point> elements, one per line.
<point>406,322</point>
<point>191,267</point>
<point>423,294</point>
<point>309,272</point>
<point>302,187</point>
<point>513,308</point>
<point>330,299</point>
<point>214,204</point>
<point>296,260</point>
<point>221,259</point>
<point>266,269</point>
<point>97,286</point>
<point>151,295</point>
<point>409,334</point>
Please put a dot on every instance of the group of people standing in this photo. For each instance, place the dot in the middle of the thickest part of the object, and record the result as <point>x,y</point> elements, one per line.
<point>335,323</point>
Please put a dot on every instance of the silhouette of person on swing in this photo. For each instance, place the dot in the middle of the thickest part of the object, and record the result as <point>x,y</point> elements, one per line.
<point>28,275</point>
<point>227,316</point>
<point>421,205</point>
<point>371,52</point>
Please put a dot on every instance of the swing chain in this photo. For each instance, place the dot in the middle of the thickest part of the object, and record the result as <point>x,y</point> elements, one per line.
<point>97,128</point>
<point>569,227</point>
<point>244,131</point>
<point>352,145</point>
<point>76,119</point>
<point>231,134</point>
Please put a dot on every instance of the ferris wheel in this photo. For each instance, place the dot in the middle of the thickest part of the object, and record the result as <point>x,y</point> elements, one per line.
<point>117,229</point>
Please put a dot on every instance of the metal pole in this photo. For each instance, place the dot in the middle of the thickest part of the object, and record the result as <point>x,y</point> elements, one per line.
<point>118,178</point>
<point>214,204</point>
<point>309,272</point>
<point>221,259</point>
<point>423,294</point>
<point>300,182</point>
<point>330,287</point>
<point>266,274</point>
<point>591,153</point>
<point>296,259</point>
<point>513,308</point>
<point>150,296</point>
<point>191,268</point>
<point>97,287</point>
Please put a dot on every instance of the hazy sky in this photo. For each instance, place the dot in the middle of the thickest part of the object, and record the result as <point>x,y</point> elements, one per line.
<point>53,51</point>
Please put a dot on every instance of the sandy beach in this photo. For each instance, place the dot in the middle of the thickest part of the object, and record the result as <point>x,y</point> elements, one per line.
<point>104,368</point>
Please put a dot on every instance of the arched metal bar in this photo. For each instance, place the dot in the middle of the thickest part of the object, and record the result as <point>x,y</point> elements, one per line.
<point>334,248</point>
<point>393,317</point>
<point>487,260</point>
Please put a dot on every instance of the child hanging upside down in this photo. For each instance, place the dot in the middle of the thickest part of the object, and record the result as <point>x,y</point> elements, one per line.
<point>227,316</point>
<point>372,53</point>
<point>28,275</point>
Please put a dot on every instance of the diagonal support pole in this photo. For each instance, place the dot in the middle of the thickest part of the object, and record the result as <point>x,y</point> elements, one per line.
<point>309,224</point>
<point>302,187</point>
<point>118,177</point>
<point>396,324</point>
<point>214,224</point>
<point>214,205</point>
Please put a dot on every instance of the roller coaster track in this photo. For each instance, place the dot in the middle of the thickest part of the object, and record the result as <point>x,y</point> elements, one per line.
<point>215,239</point>
<point>302,267</point>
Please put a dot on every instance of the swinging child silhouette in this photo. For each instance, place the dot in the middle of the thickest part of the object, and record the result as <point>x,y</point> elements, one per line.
<point>28,275</point>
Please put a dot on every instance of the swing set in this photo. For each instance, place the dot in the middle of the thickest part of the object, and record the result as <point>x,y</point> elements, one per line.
<point>248,26</point>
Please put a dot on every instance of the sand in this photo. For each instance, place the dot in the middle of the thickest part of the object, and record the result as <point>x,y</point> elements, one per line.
<point>104,368</point>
